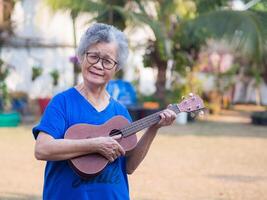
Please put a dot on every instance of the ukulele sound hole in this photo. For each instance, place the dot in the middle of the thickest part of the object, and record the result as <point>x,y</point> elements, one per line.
<point>115,132</point>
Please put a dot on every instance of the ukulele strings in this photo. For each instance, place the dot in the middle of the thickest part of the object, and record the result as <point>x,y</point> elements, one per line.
<point>139,125</point>
<point>150,120</point>
<point>145,122</point>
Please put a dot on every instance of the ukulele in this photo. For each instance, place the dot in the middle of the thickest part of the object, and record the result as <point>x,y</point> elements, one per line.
<point>87,166</point>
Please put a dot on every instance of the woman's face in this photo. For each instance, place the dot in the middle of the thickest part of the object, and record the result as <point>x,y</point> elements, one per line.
<point>99,63</point>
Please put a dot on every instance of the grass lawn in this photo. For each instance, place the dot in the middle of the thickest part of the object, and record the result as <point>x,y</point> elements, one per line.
<point>198,161</point>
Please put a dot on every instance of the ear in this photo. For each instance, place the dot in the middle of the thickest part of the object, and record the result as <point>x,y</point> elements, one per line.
<point>117,69</point>
<point>80,59</point>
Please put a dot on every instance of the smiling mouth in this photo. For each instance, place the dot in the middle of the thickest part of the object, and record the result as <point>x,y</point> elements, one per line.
<point>97,74</point>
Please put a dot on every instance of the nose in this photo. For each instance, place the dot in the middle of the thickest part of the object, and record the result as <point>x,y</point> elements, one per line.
<point>99,64</point>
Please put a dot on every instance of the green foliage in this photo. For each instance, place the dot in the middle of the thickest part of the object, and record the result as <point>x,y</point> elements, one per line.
<point>245,30</point>
<point>177,37</point>
<point>259,6</point>
<point>4,95</point>
<point>204,6</point>
<point>104,11</point>
<point>188,42</point>
<point>190,38</point>
<point>176,93</point>
<point>181,62</point>
<point>256,74</point>
<point>36,72</point>
<point>3,71</point>
<point>151,55</point>
<point>55,76</point>
<point>160,23</point>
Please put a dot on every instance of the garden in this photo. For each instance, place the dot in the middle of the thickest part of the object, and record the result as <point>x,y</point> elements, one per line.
<point>216,50</point>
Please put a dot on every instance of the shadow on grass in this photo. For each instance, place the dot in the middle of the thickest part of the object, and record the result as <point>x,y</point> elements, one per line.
<point>17,196</point>
<point>217,129</point>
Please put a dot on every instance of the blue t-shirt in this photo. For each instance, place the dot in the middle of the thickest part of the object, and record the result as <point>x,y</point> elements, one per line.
<point>61,182</point>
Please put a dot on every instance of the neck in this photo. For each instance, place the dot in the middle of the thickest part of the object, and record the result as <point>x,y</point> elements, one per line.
<point>97,96</point>
<point>90,91</point>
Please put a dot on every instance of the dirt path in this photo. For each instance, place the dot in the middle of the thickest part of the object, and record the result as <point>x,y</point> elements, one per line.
<point>198,161</point>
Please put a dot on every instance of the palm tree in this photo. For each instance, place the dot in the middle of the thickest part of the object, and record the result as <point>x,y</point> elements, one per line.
<point>246,30</point>
<point>162,18</point>
<point>204,17</point>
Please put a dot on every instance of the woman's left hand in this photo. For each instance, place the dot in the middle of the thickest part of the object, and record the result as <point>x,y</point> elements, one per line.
<point>167,118</point>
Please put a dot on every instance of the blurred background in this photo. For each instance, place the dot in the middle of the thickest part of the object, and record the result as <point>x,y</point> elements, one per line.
<point>214,48</point>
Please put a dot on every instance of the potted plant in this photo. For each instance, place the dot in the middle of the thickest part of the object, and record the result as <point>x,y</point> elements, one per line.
<point>8,117</point>
<point>36,72</point>
<point>55,76</point>
<point>43,102</point>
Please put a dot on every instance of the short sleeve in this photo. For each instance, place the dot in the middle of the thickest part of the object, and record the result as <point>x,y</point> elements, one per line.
<point>127,115</point>
<point>53,121</point>
<point>122,110</point>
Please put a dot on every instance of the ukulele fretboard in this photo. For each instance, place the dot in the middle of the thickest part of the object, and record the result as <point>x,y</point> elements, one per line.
<point>145,122</point>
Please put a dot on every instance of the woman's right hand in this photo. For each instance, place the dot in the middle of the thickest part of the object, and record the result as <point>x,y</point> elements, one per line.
<point>109,147</point>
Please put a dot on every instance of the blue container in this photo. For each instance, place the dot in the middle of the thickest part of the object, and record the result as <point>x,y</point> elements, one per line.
<point>122,91</point>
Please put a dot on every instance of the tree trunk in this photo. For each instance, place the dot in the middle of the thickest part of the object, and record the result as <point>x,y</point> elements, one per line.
<point>265,74</point>
<point>161,66</point>
<point>160,83</point>
<point>76,67</point>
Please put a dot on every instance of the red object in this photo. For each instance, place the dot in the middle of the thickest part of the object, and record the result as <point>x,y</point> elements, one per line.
<point>43,102</point>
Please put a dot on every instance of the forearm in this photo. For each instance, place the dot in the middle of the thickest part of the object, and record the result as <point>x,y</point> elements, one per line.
<point>48,148</point>
<point>139,152</point>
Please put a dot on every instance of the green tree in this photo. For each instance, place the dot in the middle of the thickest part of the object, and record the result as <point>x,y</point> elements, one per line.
<point>180,37</point>
<point>181,27</point>
<point>162,17</point>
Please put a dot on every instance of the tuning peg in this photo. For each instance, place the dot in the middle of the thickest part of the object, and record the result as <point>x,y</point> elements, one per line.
<point>192,114</point>
<point>201,113</point>
<point>191,94</point>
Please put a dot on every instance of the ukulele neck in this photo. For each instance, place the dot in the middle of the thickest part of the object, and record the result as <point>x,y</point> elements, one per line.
<point>146,122</point>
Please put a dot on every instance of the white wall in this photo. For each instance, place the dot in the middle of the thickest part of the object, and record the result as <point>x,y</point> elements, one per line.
<point>33,20</point>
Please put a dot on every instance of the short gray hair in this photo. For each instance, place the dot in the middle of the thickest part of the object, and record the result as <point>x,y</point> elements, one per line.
<point>99,32</point>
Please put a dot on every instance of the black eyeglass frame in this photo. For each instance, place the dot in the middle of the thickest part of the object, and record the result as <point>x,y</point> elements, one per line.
<point>103,65</point>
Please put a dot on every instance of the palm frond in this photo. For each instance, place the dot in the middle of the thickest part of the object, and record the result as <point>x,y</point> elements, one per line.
<point>244,29</point>
<point>141,17</point>
<point>76,5</point>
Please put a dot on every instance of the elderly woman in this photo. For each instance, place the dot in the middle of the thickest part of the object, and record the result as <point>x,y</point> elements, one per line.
<point>102,51</point>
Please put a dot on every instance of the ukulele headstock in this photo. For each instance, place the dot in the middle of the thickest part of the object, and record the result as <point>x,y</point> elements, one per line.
<point>192,103</point>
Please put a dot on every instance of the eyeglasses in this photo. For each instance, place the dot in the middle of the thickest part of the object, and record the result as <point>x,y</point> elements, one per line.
<point>107,63</point>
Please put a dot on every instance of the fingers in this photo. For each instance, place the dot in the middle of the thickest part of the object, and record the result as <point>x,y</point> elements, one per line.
<point>119,148</point>
<point>167,117</point>
<point>117,152</point>
<point>116,137</point>
<point>114,154</point>
<point>110,148</point>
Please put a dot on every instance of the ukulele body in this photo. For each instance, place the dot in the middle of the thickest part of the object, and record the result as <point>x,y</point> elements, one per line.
<point>89,165</point>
